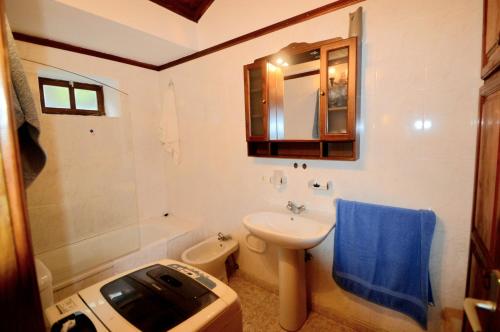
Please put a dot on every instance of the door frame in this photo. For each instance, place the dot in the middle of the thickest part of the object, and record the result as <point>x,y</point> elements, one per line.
<point>19,295</point>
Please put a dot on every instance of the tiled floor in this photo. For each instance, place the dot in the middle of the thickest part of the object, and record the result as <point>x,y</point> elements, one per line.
<point>261,311</point>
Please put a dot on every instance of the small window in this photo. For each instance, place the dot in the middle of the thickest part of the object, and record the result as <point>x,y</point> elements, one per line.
<point>65,97</point>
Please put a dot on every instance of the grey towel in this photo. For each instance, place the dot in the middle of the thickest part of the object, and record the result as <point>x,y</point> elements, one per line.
<point>28,127</point>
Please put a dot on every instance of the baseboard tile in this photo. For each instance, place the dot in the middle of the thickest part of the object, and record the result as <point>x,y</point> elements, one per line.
<point>452,319</point>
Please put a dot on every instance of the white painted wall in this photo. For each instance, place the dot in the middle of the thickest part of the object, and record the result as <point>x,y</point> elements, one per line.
<point>421,61</point>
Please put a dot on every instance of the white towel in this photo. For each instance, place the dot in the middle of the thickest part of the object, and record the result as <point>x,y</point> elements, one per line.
<point>169,130</point>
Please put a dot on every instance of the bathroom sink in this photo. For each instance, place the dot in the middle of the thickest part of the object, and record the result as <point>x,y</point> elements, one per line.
<point>287,230</point>
<point>292,233</point>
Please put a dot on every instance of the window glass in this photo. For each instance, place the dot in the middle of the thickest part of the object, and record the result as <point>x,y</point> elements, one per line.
<point>56,96</point>
<point>86,100</point>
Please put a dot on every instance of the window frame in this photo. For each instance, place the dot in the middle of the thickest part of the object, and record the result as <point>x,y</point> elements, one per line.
<point>71,86</point>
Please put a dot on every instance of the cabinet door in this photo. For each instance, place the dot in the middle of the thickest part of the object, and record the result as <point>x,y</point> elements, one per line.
<point>338,90</point>
<point>491,37</point>
<point>256,101</point>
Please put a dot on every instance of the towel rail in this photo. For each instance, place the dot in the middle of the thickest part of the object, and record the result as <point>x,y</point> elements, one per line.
<point>336,199</point>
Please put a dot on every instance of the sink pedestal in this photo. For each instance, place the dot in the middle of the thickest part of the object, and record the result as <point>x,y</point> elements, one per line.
<point>292,289</point>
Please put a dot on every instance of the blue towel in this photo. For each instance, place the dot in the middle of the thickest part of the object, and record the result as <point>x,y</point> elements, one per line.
<point>382,253</point>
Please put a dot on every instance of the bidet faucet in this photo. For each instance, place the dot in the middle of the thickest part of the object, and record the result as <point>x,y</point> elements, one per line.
<point>222,237</point>
<point>296,209</point>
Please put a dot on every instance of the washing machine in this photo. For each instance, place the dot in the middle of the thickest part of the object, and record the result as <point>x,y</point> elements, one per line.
<point>163,296</point>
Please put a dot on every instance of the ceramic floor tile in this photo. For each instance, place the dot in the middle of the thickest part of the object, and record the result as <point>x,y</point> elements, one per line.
<point>261,311</point>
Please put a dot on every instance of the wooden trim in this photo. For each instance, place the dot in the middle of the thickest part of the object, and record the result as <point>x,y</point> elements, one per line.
<point>20,298</point>
<point>331,7</point>
<point>490,86</point>
<point>202,8</point>
<point>297,48</point>
<point>77,49</point>
<point>264,31</point>
<point>299,75</point>
<point>294,49</point>
<point>180,8</point>
<point>71,90</point>
<point>484,58</point>
<point>492,64</point>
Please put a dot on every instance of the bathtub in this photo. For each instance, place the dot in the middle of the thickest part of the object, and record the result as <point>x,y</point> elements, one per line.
<point>154,231</point>
<point>114,252</point>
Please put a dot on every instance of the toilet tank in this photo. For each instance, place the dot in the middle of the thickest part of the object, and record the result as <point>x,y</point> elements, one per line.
<point>44,278</point>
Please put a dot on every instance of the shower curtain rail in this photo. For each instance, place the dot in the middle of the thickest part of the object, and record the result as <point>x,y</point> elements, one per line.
<point>72,72</point>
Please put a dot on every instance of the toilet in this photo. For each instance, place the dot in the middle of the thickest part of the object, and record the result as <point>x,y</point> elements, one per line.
<point>210,256</point>
<point>44,279</point>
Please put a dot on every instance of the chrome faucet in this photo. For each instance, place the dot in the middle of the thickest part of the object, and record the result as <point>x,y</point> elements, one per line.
<point>222,237</point>
<point>296,209</point>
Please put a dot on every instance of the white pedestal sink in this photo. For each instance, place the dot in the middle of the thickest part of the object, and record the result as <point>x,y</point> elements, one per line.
<point>292,233</point>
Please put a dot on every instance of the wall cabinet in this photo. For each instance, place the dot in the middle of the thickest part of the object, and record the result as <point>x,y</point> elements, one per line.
<point>302,102</point>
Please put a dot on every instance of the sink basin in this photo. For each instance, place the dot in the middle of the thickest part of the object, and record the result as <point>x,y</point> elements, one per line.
<point>287,230</point>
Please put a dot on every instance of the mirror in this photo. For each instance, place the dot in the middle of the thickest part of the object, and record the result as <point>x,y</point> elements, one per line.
<point>298,76</point>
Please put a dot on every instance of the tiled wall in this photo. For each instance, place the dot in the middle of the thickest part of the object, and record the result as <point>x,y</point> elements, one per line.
<point>98,181</point>
<point>88,185</point>
<point>421,61</point>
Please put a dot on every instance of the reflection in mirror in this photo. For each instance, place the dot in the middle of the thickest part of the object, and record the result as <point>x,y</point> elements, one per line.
<point>301,83</point>
<point>337,90</point>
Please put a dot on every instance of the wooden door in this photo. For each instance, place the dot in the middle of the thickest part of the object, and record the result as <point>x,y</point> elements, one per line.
<point>484,256</point>
<point>338,73</point>
<point>483,279</point>
<point>20,308</point>
<point>256,95</point>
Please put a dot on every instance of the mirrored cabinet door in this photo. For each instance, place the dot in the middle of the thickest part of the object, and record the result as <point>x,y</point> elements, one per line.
<point>256,101</point>
<point>338,90</point>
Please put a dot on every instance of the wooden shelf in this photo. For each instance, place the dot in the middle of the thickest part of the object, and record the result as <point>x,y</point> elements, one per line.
<point>337,132</point>
<point>315,149</point>
<point>337,109</point>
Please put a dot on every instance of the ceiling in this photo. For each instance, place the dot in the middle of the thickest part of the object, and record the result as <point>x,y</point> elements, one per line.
<point>191,9</point>
<point>58,21</point>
